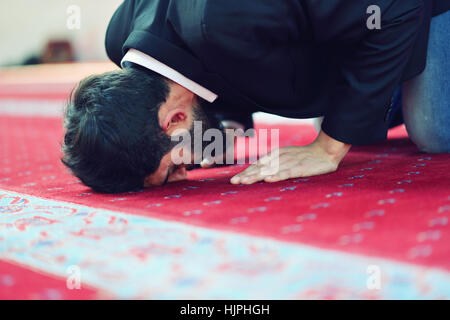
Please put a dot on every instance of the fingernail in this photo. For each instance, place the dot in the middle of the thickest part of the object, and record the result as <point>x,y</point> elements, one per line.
<point>234,180</point>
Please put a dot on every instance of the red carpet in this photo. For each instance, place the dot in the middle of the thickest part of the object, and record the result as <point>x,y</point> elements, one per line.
<point>386,200</point>
<point>18,283</point>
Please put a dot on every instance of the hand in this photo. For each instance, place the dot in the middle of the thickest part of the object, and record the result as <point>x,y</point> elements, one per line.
<point>320,157</point>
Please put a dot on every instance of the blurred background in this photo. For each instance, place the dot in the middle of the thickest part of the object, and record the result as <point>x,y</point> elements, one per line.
<point>49,31</point>
<point>48,46</point>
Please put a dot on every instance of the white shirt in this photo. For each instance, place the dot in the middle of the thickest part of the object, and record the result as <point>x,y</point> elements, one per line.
<point>146,61</point>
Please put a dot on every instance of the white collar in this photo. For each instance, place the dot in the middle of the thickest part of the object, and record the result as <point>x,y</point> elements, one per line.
<point>144,60</point>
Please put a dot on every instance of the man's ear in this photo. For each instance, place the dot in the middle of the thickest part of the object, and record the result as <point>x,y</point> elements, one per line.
<point>174,119</point>
<point>176,112</point>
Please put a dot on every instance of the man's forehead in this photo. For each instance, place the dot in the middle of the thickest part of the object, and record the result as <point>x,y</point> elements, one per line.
<point>161,175</point>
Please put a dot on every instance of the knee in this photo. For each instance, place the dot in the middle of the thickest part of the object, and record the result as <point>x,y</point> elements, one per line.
<point>428,130</point>
<point>434,147</point>
<point>428,133</point>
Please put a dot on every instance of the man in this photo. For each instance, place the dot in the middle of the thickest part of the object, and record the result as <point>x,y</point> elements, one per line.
<point>213,60</point>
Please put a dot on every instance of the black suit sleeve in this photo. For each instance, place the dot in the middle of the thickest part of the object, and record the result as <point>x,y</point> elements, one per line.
<point>440,6</point>
<point>118,31</point>
<point>369,74</point>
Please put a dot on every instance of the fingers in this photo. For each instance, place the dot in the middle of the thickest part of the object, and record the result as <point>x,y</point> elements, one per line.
<point>247,176</point>
<point>246,179</point>
<point>287,163</point>
<point>295,172</point>
<point>280,176</point>
<point>268,165</point>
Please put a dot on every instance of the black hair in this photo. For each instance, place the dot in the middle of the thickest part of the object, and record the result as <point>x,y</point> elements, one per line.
<point>113,139</point>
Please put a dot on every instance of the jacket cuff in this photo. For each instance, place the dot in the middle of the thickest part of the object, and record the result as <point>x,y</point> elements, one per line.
<point>355,134</point>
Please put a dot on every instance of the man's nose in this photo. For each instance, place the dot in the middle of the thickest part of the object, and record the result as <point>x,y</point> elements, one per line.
<point>178,175</point>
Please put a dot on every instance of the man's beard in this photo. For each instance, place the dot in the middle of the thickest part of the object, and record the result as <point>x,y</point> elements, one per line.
<point>203,114</point>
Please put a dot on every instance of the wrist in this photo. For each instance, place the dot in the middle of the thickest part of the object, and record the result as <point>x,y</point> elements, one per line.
<point>334,148</point>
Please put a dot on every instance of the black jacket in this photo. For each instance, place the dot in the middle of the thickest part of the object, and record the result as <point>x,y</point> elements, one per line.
<point>295,58</point>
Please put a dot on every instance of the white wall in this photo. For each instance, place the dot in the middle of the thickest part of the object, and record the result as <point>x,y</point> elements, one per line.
<point>26,25</point>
